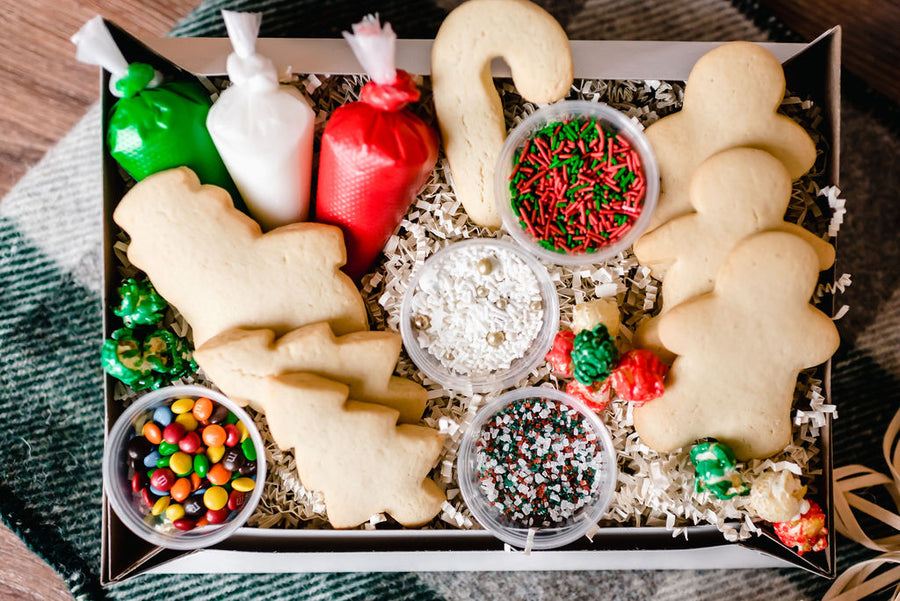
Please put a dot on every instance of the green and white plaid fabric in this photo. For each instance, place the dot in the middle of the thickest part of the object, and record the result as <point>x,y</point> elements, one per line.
<point>50,333</point>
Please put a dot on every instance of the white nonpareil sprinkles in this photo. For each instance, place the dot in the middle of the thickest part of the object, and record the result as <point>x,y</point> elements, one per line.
<point>477,310</point>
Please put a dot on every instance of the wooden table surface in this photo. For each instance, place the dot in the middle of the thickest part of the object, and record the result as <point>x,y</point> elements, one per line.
<point>43,93</point>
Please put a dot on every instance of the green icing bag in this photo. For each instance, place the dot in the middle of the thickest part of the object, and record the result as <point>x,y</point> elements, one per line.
<point>154,125</point>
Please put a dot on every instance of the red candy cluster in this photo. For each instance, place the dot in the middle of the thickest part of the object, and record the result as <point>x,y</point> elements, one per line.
<point>637,378</point>
<point>807,533</point>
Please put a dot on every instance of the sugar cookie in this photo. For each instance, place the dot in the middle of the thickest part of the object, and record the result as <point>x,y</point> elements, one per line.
<point>736,193</point>
<point>220,271</point>
<point>739,350</point>
<point>468,108</point>
<point>731,99</point>
<point>354,453</point>
<point>238,361</point>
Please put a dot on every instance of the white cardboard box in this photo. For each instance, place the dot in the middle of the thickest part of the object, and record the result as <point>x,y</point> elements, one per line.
<point>812,69</point>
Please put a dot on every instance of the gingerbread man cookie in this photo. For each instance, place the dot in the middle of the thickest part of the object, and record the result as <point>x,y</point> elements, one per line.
<point>467,105</point>
<point>214,264</point>
<point>354,453</point>
<point>731,99</point>
<point>736,193</point>
<point>238,361</point>
<point>740,349</point>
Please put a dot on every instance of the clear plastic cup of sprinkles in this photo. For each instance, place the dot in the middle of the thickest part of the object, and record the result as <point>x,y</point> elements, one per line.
<point>479,315</point>
<point>193,492</point>
<point>537,468</point>
<point>576,182</point>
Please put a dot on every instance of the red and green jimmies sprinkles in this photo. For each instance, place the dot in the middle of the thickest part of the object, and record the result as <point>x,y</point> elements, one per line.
<point>538,462</point>
<point>577,186</point>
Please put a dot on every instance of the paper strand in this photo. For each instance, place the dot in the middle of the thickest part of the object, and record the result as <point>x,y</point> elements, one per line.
<point>860,580</point>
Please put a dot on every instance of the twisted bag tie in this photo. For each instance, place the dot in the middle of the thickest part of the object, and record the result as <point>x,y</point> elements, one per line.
<point>860,580</point>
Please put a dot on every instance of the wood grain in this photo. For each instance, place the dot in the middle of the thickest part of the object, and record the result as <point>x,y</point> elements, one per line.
<point>44,91</point>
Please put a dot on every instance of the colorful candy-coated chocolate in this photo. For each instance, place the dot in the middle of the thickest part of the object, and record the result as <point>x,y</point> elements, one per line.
<point>219,415</point>
<point>233,459</point>
<point>218,475</point>
<point>236,500</point>
<point>217,516</point>
<point>215,498</point>
<point>249,449</point>
<point>163,416</point>
<point>181,463</point>
<point>232,435</point>
<point>139,447</point>
<point>175,512</point>
<point>163,461</point>
<point>162,479</point>
<point>194,507</point>
<point>231,418</point>
<point>148,497</point>
<point>181,489</point>
<point>151,459</point>
<point>214,454</point>
<point>201,465</point>
<point>187,420</point>
<point>160,506</point>
<point>242,428</point>
<point>202,410</point>
<point>248,469</point>
<point>139,481</point>
<point>174,432</point>
<point>167,448</point>
<point>182,405</point>
<point>214,435</point>
<point>243,484</point>
<point>190,443</point>
<point>195,482</point>
<point>152,433</point>
<point>184,524</point>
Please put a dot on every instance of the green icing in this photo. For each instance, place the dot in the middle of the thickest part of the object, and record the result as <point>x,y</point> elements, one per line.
<point>141,304</point>
<point>715,465</point>
<point>138,77</point>
<point>157,360</point>
<point>594,355</point>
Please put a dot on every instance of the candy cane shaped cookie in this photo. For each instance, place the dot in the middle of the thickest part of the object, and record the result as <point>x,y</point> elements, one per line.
<point>468,107</point>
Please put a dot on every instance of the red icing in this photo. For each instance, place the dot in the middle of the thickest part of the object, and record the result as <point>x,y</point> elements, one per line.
<point>375,157</point>
<point>806,534</point>
<point>560,355</point>
<point>595,399</point>
<point>638,377</point>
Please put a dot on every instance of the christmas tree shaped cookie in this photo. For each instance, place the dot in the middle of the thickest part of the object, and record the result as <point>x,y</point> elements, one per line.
<point>214,264</point>
<point>353,452</point>
<point>740,349</point>
<point>239,361</point>
<point>736,193</point>
<point>731,99</point>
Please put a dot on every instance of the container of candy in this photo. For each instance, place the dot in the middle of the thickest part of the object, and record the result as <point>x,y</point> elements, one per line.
<point>566,482</point>
<point>479,315</point>
<point>184,467</point>
<point>576,182</point>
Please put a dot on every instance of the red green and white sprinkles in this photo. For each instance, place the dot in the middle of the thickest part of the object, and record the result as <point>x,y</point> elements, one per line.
<point>538,462</point>
<point>577,186</point>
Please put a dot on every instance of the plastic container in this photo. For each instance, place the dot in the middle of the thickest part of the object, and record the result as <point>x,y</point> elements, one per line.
<point>491,518</point>
<point>562,111</point>
<point>432,367</point>
<point>129,506</point>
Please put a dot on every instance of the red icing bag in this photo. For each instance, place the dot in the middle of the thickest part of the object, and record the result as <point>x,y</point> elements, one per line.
<point>375,155</point>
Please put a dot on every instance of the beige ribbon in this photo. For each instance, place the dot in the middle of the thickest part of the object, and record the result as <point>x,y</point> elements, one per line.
<point>864,578</point>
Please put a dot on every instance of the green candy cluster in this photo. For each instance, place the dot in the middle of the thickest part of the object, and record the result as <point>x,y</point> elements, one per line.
<point>142,355</point>
<point>715,465</point>
<point>594,355</point>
